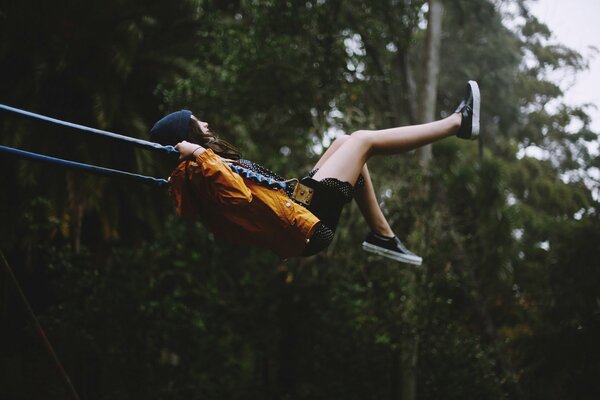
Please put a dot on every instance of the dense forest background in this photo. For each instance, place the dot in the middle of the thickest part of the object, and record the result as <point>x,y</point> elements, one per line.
<point>139,304</point>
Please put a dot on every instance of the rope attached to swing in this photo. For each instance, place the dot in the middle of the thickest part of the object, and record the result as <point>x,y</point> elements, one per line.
<point>136,142</point>
<point>86,167</point>
<point>240,170</point>
<point>81,166</point>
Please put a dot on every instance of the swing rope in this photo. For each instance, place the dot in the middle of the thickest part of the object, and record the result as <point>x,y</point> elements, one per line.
<point>127,139</point>
<point>241,170</point>
<point>86,167</point>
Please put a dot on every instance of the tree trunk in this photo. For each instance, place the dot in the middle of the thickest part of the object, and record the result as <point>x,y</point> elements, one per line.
<point>408,364</point>
<point>432,69</point>
<point>403,384</point>
<point>410,343</point>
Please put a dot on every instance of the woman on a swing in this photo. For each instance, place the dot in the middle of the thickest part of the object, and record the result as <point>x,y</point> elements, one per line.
<point>249,204</point>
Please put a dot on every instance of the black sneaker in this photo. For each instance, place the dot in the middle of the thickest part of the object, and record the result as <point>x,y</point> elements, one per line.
<point>469,109</point>
<point>390,248</point>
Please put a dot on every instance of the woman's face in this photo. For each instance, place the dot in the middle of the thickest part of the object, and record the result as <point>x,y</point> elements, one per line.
<point>203,125</point>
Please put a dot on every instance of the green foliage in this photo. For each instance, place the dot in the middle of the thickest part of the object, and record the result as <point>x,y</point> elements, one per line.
<point>141,305</point>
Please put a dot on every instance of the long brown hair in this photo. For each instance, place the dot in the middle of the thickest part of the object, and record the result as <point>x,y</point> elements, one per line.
<point>211,141</point>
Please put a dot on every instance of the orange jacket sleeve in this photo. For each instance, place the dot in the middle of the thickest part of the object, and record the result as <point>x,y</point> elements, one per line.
<point>208,176</point>
<point>227,187</point>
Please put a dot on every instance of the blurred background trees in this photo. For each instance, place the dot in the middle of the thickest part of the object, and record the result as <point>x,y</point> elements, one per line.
<point>142,305</point>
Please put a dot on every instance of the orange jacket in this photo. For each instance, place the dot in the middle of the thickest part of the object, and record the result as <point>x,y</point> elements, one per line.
<point>239,209</point>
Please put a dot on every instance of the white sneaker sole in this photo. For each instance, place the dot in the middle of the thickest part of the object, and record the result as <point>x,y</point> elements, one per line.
<point>405,258</point>
<point>476,109</point>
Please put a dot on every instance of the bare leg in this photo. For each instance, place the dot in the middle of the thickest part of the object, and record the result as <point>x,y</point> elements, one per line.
<point>347,161</point>
<point>369,207</point>
<point>364,196</point>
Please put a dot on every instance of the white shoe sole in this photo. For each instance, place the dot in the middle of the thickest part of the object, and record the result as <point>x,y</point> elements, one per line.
<point>405,258</point>
<point>476,109</point>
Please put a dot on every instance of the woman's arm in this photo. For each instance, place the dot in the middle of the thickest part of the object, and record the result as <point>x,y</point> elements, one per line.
<point>188,151</point>
<point>210,174</point>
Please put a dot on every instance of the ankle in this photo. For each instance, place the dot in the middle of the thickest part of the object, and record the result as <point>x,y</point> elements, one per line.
<point>456,119</point>
<point>454,122</point>
<point>384,233</point>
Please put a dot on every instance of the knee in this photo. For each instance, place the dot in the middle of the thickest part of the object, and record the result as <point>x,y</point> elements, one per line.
<point>340,140</point>
<point>356,135</point>
<point>362,136</point>
<point>362,140</point>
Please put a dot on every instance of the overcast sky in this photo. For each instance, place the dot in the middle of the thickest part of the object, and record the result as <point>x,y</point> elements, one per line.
<point>576,23</point>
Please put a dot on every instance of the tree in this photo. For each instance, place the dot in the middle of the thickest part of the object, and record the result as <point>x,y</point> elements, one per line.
<point>151,307</point>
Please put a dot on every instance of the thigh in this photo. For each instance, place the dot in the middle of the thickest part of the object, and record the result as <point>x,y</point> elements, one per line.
<point>346,162</point>
<point>331,150</point>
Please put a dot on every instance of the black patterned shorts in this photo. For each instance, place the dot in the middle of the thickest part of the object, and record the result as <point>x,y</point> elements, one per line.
<point>339,193</point>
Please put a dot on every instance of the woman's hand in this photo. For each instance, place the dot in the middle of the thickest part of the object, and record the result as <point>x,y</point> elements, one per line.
<point>188,151</point>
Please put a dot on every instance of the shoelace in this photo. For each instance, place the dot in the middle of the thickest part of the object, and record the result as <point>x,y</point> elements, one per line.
<point>467,109</point>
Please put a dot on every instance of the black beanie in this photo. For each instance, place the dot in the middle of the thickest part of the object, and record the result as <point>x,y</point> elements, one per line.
<point>172,128</point>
